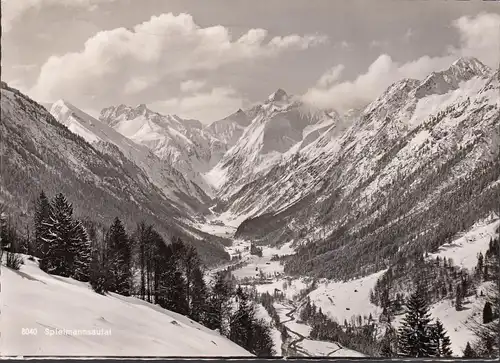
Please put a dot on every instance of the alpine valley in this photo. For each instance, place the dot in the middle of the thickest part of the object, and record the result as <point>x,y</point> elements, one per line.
<point>328,220</point>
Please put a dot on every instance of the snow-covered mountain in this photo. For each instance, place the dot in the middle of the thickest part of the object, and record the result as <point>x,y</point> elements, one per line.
<point>399,166</point>
<point>280,124</point>
<point>39,152</point>
<point>66,317</point>
<point>174,185</point>
<point>183,143</point>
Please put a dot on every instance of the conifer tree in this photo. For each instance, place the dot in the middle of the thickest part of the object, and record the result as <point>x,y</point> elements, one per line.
<point>480,266</point>
<point>415,334</point>
<point>487,313</point>
<point>174,283</point>
<point>263,341</point>
<point>58,251</point>
<point>219,304</point>
<point>469,352</point>
<point>242,321</point>
<point>458,298</point>
<point>41,221</point>
<point>82,252</point>
<point>443,344</point>
<point>199,296</point>
<point>118,258</point>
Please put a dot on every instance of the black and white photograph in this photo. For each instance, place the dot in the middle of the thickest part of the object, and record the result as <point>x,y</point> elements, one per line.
<point>250,179</point>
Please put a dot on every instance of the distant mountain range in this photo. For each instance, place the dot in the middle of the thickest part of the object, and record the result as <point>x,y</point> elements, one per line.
<point>413,167</point>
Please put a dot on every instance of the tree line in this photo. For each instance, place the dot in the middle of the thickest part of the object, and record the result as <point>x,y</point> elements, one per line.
<point>140,264</point>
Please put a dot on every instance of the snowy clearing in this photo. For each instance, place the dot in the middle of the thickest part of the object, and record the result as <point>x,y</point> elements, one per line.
<point>464,250</point>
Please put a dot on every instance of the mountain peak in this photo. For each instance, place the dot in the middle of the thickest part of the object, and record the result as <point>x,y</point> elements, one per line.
<point>471,66</point>
<point>279,95</point>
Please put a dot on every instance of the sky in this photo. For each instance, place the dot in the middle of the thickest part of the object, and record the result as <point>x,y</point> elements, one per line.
<point>206,59</point>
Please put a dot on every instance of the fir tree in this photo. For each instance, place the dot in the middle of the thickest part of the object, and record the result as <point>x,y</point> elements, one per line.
<point>41,222</point>
<point>458,298</point>
<point>82,252</point>
<point>118,258</point>
<point>415,333</point>
<point>487,313</point>
<point>469,352</point>
<point>58,245</point>
<point>263,342</point>
<point>242,322</point>
<point>219,304</point>
<point>199,296</point>
<point>480,266</point>
<point>443,344</point>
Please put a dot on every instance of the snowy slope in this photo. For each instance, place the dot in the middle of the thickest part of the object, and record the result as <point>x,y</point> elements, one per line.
<point>464,249</point>
<point>127,326</point>
<point>161,173</point>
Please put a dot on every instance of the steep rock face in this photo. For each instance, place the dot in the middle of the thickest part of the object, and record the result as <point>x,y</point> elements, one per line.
<point>230,129</point>
<point>169,180</point>
<point>39,152</point>
<point>402,176</point>
<point>185,144</point>
<point>278,126</point>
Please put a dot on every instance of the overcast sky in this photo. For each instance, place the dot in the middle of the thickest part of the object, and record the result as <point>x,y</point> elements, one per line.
<point>205,59</point>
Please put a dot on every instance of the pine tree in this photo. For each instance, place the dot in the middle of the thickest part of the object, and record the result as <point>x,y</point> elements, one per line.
<point>219,304</point>
<point>82,252</point>
<point>443,344</point>
<point>469,352</point>
<point>58,249</point>
<point>458,298</point>
<point>415,333</point>
<point>262,345</point>
<point>41,221</point>
<point>242,323</point>
<point>487,313</point>
<point>190,262</point>
<point>487,343</point>
<point>118,258</point>
<point>389,343</point>
<point>199,296</point>
<point>480,266</point>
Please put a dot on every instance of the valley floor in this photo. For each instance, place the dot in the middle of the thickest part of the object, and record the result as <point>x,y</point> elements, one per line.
<point>344,300</point>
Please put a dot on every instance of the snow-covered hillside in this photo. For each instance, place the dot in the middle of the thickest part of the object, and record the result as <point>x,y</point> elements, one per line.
<point>50,315</point>
<point>464,249</point>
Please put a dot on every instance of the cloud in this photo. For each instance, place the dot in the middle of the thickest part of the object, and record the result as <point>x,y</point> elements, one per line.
<point>192,86</point>
<point>479,37</point>
<point>165,47</point>
<point>12,10</point>
<point>203,106</point>
<point>331,76</point>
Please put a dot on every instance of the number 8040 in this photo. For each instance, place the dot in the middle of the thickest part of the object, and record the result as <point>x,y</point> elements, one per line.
<point>29,331</point>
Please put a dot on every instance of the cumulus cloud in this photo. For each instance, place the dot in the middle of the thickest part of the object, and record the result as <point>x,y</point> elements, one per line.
<point>12,10</point>
<point>203,106</point>
<point>165,46</point>
<point>192,86</point>
<point>479,37</point>
<point>331,76</point>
